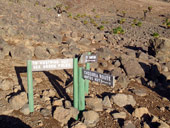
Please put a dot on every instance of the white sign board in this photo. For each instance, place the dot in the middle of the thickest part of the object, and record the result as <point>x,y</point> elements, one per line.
<point>56,64</point>
<point>85,58</point>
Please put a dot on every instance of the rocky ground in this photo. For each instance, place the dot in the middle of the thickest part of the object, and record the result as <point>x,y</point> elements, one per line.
<point>131,39</point>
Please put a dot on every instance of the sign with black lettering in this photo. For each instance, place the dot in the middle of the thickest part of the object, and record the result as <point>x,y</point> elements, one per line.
<point>85,58</point>
<point>90,58</point>
<point>56,64</point>
<point>99,77</point>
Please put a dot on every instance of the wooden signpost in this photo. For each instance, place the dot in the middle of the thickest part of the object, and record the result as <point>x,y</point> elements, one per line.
<point>99,77</point>
<point>46,65</point>
<point>81,76</point>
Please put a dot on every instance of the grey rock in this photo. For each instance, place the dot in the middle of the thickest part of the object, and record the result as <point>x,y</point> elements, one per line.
<point>104,64</point>
<point>99,70</point>
<point>69,90</point>
<point>94,65</point>
<point>12,31</point>
<point>78,125</point>
<point>140,92</point>
<point>120,115</point>
<point>41,52</point>
<point>160,48</point>
<point>143,56</point>
<point>94,104</point>
<point>85,41</point>
<point>117,72</point>
<point>128,124</point>
<point>68,54</point>
<point>145,125</point>
<point>45,112</point>
<point>21,53</point>
<point>4,48</point>
<point>75,50</point>
<point>106,102</point>
<point>6,84</point>
<point>53,50</point>
<point>139,112</point>
<point>168,65</point>
<point>104,53</point>
<point>98,37</point>
<point>18,101</point>
<point>123,82</point>
<point>64,115</point>
<point>25,109</point>
<point>90,118</point>
<point>117,63</point>
<point>132,68</point>
<point>67,104</point>
<point>122,100</point>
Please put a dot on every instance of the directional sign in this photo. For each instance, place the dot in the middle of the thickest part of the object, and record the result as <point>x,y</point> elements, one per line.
<point>56,64</point>
<point>85,58</point>
<point>91,58</point>
<point>99,77</point>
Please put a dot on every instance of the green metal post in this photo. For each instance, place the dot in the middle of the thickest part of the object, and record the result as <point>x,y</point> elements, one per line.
<point>81,91</point>
<point>30,86</point>
<point>86,84</point>
<point>75,82</point>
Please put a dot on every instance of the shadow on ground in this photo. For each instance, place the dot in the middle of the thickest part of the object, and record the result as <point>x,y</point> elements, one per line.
<point>12,122</point>
<point>159,81</point>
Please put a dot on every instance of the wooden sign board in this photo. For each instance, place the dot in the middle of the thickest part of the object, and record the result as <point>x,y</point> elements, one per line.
<point>99,77</point>
<point>85,58</point>
<point>55,64</point>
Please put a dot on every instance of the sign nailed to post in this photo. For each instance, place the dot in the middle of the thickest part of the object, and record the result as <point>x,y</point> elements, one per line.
<point>99,77</point>
<point>56,64</point>
<point>91,58</point>
<point>85,58</point>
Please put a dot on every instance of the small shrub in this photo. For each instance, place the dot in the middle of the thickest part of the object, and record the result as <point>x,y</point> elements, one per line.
<point>93,10</point>
<point>85,22</point>
<point>150,8</point>
<point>97,16</point>
<point>123,13</point>
<point>145,12</point>
<point>155,35</point>
<point>139,24</point>
<point>101,27</point>
<point>78,15</point>
<point>122,21</point>
<point>69,15</point>
<point>118,30</point>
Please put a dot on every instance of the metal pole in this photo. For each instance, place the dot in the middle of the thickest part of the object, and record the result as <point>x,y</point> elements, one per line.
<point>75,82</point>
<point>86,84</point>
<point>81,91</point>
<point>30,86</point>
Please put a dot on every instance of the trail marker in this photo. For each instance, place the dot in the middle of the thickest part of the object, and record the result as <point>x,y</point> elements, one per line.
<point>88,58</point>
<point>46,65</point>
<point>56,64</point>
<point>99,77</point>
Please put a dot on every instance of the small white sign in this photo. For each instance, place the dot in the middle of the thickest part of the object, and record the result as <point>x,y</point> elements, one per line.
<point>55,64</point>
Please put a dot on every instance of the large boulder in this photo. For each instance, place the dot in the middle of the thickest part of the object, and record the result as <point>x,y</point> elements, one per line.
<point>90,118</point>
<point>21,53</point>
<point>159,47</point>
<point>132,67</point>
<point>94,104</point>
<point>18,101</point>
<point>64,115</point>
<point>122,100</point>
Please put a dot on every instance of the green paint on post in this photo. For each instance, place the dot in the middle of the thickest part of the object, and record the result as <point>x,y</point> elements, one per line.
<point>30,86</point>
<point>86,84</point>
<point>75,82</point>
<point>81,91</point>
